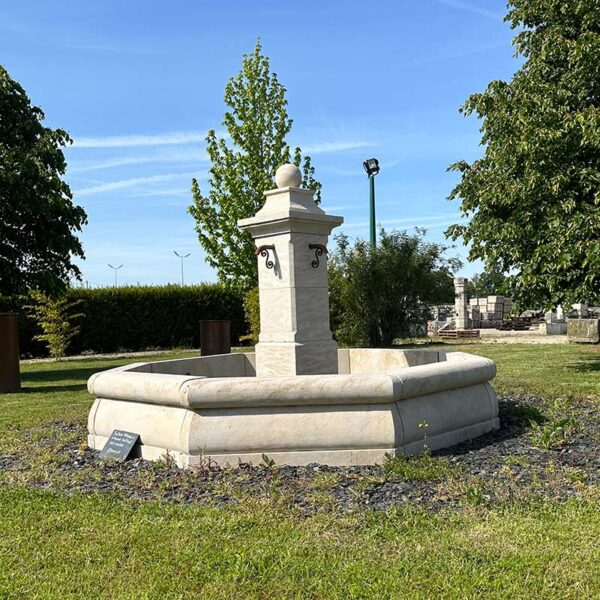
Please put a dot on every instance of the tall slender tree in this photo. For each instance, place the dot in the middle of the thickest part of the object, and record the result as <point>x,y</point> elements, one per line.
<point>243,168</point>
<point>38,219</point>
<point>533,199</point>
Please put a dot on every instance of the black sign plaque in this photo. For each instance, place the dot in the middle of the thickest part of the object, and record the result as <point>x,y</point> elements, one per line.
<point>119,445</point>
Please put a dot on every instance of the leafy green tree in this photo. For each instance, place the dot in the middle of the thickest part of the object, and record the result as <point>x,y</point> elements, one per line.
<point>490,282</point>
<point>534,198</point>
<point>37,216</point>
<point>257,124</point>
<point>378,292</point>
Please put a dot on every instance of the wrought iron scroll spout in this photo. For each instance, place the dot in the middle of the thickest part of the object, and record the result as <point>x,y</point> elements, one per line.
<point>319,249</point>
<point>264,252</point>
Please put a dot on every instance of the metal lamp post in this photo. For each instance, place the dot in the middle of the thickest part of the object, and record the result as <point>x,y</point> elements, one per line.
<point>115,269</point>
<point>181,256</point>
<point>371,166</point>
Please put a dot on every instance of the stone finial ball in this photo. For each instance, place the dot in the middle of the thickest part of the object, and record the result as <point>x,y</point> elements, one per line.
<point>288,176</point>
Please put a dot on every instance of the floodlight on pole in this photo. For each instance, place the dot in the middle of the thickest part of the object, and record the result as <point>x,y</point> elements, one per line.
<point>371,166</point>
<point>181,256</point>
<point>115,269</point>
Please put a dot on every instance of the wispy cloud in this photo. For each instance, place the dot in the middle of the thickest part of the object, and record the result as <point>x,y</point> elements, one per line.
<point>449,55</point>
<point>193,156</point>
<point>191,137</point>
<point>108,46</point>
<point>82,179</point>
<point>473,8</point>
<point>427,221</point>
<point>129,141</point>
<point>340,146</point>
<point>36,33</point>
<point>128,183</point>
<point>330,209</point>
<point>168,192</point>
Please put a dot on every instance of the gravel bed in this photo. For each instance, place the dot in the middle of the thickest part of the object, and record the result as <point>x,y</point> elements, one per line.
<point>501,466</point>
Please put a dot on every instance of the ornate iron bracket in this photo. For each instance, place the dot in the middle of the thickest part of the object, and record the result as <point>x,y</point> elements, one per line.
<point>264,252</point>
<point>319,249</point>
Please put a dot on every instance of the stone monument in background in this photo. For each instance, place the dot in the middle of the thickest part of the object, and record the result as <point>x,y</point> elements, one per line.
<point>461,303</point>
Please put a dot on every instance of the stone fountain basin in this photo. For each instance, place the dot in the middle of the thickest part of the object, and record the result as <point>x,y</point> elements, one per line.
<point>381,402</point>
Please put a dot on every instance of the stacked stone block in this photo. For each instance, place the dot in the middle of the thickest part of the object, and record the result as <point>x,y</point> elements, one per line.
<point>490,311</point>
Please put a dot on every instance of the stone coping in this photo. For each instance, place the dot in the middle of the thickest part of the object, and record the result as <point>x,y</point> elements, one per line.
<point>457,370</point>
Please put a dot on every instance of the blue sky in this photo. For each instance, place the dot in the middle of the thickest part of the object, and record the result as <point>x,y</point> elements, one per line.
<point>138,84</point>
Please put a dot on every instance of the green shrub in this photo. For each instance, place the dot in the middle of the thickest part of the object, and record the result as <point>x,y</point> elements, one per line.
<point>523,414</point>
<point>136,317</point>
<point>554,434</point>
<point>56,318</point>
<point>379,292</point>
<point>252,311</point>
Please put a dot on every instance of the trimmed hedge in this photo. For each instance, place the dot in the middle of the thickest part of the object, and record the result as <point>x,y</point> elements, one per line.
<point>136,318</point>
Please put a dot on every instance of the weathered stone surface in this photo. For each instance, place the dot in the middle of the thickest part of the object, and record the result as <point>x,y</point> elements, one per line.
<point>461,304</point>
<point>374,408</point>
<point>582,309</point>
<point>288,176</point>
<point>295,338</point>
<point>553,328</point>
<point>583,331</point>
<point>297,399</point>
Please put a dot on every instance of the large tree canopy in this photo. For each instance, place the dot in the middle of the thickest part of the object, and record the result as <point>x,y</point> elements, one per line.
<point>490,282</point>
<point>257,124</point>
<point>37,215</point>
<point>534,198</point>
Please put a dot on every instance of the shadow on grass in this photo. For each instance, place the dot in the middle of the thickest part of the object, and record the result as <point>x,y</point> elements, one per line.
<point>53,389</point>
<point>587,364</point>
<point>65,374</point>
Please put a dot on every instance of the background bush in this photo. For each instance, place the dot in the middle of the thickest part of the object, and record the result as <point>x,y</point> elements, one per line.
<point>56,318</point>
<point>137,317</point>
<point>377,293</point>
<point>252,310</point>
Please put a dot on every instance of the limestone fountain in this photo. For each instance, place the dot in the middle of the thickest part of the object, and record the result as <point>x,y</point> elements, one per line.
<point>298,398</point>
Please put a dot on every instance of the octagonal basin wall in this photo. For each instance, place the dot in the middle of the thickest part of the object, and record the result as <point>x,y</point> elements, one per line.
<point>378,404</point>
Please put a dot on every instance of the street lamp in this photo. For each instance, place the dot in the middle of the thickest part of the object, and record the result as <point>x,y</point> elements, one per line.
<point>181,256</point>
<point>371,166</point>
<point>115,270</point>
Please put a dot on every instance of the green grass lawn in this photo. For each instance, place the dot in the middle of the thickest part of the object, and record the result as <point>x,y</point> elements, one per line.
<point>57,391</point>
<point>549,370</point>
<point>94,546</point>
<point>54,545</point>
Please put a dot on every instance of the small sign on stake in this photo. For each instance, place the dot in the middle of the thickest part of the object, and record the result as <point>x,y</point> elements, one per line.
<point>119,445</point>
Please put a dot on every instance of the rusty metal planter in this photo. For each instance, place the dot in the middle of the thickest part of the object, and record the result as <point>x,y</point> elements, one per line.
<point>215,337</point>
<point>10,378</point>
